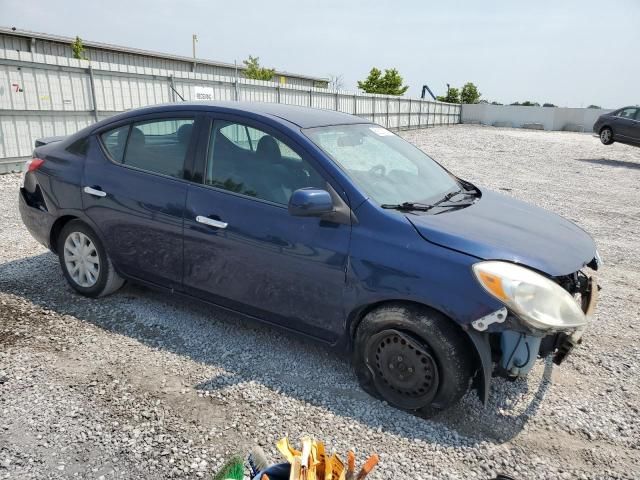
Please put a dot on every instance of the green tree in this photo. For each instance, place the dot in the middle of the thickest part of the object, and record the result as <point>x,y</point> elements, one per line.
<point>528,103</point>
<point>77,49</point>
<point>597,107</point>
<point>548,105</point>
<point>389,84</point>
<point>452,96</point>
<point>255,71</point>
<point>470,93</point>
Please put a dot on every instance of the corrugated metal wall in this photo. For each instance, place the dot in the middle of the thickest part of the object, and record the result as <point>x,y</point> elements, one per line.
<point>94,54</point>
<point>44,95</point>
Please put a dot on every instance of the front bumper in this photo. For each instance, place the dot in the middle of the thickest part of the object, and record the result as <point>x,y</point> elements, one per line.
<point>519,351</point>
<point>569,341</point>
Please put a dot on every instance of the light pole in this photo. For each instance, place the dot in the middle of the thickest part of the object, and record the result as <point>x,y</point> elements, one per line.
<point>194,40</point>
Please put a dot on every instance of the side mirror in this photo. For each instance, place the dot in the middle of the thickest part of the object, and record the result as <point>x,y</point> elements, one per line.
<point>310,202</point>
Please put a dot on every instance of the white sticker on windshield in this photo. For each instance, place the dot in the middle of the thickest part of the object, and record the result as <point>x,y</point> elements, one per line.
<point>383,132</point>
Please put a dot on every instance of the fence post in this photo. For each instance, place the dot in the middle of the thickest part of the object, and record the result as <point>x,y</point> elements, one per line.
<point>399,113</point>
<point>235,88</point>
<point>310,99</point>
<point>337,101</point>
<point>388,125</point>
<point>373,109</point>
<point>278,93</point>
<point>355,104</point>
<point>420,114</point>
<point>92,85</point>
<point>409,119</point>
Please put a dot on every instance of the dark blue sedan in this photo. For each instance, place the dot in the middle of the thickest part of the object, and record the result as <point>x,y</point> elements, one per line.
<point>326,225</point>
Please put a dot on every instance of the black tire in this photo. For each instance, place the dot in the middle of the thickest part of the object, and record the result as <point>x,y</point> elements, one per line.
<point>107,280</point>
<point>438,364</point>
<point>606,136</point>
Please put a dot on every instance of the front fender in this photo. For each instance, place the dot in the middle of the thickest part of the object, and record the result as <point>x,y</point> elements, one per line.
<point>480,341</point>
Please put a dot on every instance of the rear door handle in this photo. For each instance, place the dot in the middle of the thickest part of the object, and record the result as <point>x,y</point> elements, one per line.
<point>211,222</point>
<point>95,192</point>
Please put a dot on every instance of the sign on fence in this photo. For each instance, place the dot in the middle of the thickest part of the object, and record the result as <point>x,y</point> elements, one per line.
<point>204,93</point>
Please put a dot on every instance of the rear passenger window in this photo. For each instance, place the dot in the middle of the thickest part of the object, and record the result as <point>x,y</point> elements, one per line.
<point>159,146</point>
<point>115,141</point>
<point>628,113</point>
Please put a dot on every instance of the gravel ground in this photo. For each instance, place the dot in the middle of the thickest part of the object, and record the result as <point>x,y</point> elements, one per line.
<point>142,385</point>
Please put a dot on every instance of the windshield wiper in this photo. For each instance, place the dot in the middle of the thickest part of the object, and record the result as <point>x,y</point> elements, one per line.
<point>423,207</point>
<point>407,206</point>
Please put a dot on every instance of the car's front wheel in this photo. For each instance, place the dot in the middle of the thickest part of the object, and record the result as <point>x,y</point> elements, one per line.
<point>85,262</point>
<point>414,358</point>
<point>606,136</point>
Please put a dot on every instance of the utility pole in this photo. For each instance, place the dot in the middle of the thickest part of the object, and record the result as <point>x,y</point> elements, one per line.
<point>194,40</point>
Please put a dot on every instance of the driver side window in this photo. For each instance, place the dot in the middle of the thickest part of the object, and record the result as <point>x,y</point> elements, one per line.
<point>249,161</point>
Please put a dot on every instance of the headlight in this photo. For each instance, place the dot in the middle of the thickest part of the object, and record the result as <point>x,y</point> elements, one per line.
<point>540,302</point>
<point>598,258</point>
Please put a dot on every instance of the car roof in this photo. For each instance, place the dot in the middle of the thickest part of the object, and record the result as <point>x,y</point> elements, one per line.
<point>303,117</point>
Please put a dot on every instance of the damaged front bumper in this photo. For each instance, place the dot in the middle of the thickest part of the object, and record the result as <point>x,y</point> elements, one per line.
<point>518,351</point>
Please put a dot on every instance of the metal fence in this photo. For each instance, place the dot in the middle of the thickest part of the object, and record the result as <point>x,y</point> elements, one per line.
<point>42,95</point>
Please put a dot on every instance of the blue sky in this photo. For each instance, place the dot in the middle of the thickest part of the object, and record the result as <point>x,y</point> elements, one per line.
<point>570,53</point>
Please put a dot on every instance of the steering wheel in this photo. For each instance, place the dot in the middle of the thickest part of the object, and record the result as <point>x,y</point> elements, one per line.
<point>379,170</point>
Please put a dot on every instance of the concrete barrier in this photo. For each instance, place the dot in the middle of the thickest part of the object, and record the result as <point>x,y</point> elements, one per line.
<point>572,127</point>
<point>551,118</point>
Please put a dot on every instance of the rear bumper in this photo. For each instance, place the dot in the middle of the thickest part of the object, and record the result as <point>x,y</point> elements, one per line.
<point>37,220</point>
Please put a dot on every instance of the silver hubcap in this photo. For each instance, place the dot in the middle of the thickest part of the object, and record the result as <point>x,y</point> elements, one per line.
<point>605,135</point>
<point>81,259</point>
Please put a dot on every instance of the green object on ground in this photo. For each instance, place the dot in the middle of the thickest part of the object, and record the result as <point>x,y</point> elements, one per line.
<point>232,470</point>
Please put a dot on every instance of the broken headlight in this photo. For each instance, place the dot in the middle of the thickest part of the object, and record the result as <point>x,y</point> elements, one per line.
<point>538,301</point>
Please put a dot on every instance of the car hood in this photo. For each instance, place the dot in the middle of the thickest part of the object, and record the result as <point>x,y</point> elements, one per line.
<point>498,227</point>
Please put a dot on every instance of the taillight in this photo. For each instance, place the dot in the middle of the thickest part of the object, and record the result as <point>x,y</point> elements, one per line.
<point>34,164</point>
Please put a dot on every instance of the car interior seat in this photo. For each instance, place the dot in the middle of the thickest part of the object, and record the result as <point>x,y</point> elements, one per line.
<point>275,182</point>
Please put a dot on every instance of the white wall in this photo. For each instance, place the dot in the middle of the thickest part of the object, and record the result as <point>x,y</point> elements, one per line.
<point>551,118</point>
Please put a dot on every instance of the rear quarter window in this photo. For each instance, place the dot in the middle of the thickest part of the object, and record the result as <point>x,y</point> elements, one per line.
<point>79,147</point>
<point>115,141</point>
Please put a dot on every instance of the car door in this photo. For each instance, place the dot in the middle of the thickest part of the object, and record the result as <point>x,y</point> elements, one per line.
<point>626,123</point>
<point>135,192</point>
<point>243,250</point>
<point>635,133</point>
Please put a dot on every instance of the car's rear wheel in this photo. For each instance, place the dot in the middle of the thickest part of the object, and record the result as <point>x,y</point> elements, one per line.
<point>85,262</point>
<point>606,136</point>
<point>414,358</point>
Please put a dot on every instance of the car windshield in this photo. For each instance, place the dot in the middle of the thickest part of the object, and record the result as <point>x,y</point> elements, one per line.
<point>387,168</point>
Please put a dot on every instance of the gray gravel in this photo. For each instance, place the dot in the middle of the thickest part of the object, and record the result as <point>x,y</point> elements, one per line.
<point>141,385</point>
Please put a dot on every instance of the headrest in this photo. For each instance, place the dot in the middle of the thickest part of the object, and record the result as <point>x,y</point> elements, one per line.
<point>184,133</point>
<point>268,148</point>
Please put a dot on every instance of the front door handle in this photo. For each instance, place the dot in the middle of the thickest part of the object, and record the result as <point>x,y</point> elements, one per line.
<point>211,222</point>
<point>95,192</point>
